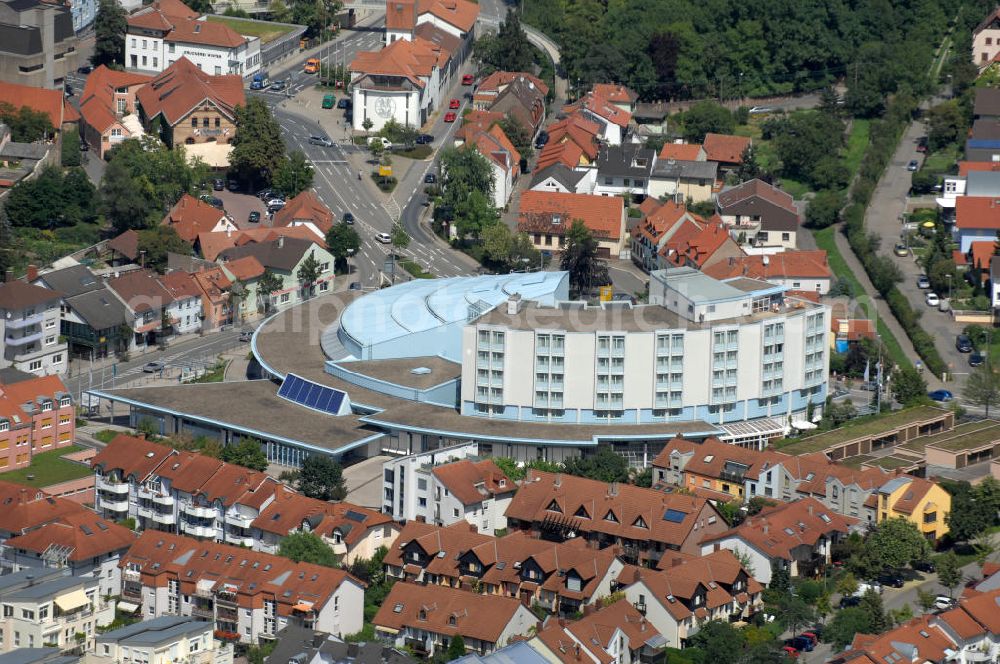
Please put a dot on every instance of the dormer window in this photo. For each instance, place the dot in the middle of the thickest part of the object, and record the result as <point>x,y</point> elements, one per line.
<point>64,402</point>
<point>639,523</point>
<point>610,516</point>
<point>556,219</point>
<point>582,513</point>
<point>422,615</point>
<point>46,406</point>
<point>554,507</point>
<point>452,621</point>
<point>502,483</point>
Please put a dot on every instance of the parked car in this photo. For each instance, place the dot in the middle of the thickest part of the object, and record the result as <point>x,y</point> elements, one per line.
<point>468,79</point>
<point>922,144</point>
<point>450,116</point>
<point>321,140</point>
<point>213,201</point>
<point>344,102</point>
<point>800,643</point>
<point>943,602</point>
<point>901,250</point>
<point>329,101</point>
<point>849,601</point>
<point>976,359</point>
<point>246,335</point>
<point>153,367</point>
<point>386,143</point>
<point>923,282</point>
<point>923,566</point>
<point>932,299</point>
<point>253,217</point>
<point>85,69</point>
<point>278,86</point>
<point>892,579</point>
<point>425,139</point>
<point>68,89</point>
<point>812,636</point>
<point>355,285</point>
<point>348,218</point>
<point>218,184</point>
<point>941,395</point>
<point>276,203</point>
<point>384,238</point>
<point>791,652</point>
<point>913,165</point>
<point>430,178</point>
<point>865,586</point>
<point>963,343</point>
<point>454,103</point>
<point>233,185</point>
<point>268,194</point>
<point>541,140</point>
<point>760,110</point>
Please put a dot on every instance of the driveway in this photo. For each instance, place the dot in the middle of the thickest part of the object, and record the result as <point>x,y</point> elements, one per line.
<point>239,207</point>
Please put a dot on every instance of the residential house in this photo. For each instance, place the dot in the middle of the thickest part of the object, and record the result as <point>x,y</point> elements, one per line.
<point>53,103</point>
<point>923,502</point>
<point>166,31</point>
<point>661,223</point>
<point>147,301</point>
<point>616,633</point>
<point>249,595</point>
<point>679,597</point>
<point>48,607</point>
<point>400,491</point>
<point>624,169</point>
<point>37,656</point>
<point>29,329</point>
<point>306,210</point>
<point>726,149</point>
<point>162,640</point>
<point>355,533</point>
<point>416,554</point>
<point>546,217</point>
<point>976,261</point>
<point>108,109</point>
<point>39,45</point>
<point>616,95</point>
<point>474,123</point>
<point>504,161</point>
<point>702,248</point>
<point>191,217</point>
<point>25,509</point>
<point>644,522</point>
<point>407,19</point>
<point>125,462</point>
<point>184,310</point>
<point>572,143</point>
<point>19,160</point>
<point>311,647</point>
<point>245,298</point>
<point>427,624</point>
<point>796,536</point>
<point>123,249</point>
<point>847,331</point>
<point>711,465</point>
<point>210,245</point>
<point>977,218</point>
<point>194,109</point>
<point>524,102</point>
<point>36,415</point>
<point>683,180</point>
<point>495,83</point>
<point>214,285</point>
<point>682,152</point>
<point>800,269</point>
<point>284,257</point>
<point>82,542</point>
<point>985,106</point>
<point>606,110</point>
<point>562,179</point>
<point>93,320</point>
<point>986,40</point>
<point>760,215</point>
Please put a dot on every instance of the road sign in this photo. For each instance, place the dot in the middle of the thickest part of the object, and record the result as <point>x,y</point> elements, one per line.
<point>606,292</point>
<point>385,171</point>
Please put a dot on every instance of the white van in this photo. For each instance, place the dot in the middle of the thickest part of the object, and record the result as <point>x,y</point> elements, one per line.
<point>386,143</point>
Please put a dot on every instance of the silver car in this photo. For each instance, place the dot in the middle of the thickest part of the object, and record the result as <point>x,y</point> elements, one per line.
<point>321,140</point>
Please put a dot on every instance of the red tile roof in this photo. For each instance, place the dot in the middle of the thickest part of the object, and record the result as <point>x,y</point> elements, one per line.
<point>966,167</point>
<point>15,396</point>
<point>501,79</point>
<point>182,24</point>
<point>50,102</point>
<point>190,217</point>
<point>23,508</point>
<point>97,101</point>
<point>697,248</point>
<point>432,540</point>
<point>413,59</point>
<point>977,212</point>
<point>84,534</point>
<point>616,94</point>
<point>917,636</point>
<point>725,149</point>
<point>475,123</point>
<point>786,264</point>
<point>132,456</point>
<point>681,151</point>
<point>140,291</point>
<point>213,244</point>
<point>306,207</point>
<point>496,147</point>
<point>126,244</point>
<point>596,632</point>
<point>16,295</point>
<point>471,482</point>
<point>461,14</point>
<point>180,285</point>
<point>182,87</point>
<point>857,328</point>
<point>400,15</point>
<point>757,188</point>
<point>245,268</point>
<point>601,214</point>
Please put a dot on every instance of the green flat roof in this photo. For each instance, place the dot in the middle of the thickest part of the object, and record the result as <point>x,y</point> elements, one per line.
<point>892,462</point>
<point>918,444</point>
<point>971,440</point>
<point>869,426</point>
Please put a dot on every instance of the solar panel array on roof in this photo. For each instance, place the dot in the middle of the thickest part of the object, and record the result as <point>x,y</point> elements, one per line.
<point>312,395</point>
<point>674,516</point>
<point>355,516</point>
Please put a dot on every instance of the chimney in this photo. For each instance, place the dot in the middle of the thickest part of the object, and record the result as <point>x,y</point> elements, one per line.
<point>764,529</point>
<point>281,241</point>
<point>810,508</point>
<point>32,272</point>
<point>557,482</point>
<point>514,304</point>
<point>613,489</point>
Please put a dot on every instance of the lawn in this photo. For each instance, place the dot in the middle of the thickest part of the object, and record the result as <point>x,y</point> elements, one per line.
<point>214,375</point>
<point>826,241</point>
<point>943,160</point>
<point>267,32</point>
<point>106,435</point>
<point>415,270</point>
<point>857,142</point>
<point>48,468</point>
<point>416,152</point>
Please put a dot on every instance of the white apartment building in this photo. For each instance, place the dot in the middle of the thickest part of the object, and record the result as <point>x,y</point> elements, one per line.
<point>163,640</point>
<point>48,607</point>
<point>766,356</point>
<point>399,486</point>
<point>29,329</point>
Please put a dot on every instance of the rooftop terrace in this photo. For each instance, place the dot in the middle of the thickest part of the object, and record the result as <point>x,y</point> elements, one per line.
<point>875,426</point>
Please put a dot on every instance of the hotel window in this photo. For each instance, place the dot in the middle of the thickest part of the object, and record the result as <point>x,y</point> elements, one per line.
<point>133,42</point>
<point>170,48</point>
<point>35,365</point>
<point>144,44</point>
<point>204,122</point>
<point>218,122</point>
<point>156,62</point>
<point>50,340</point>
<point>144,61</point>
<point>194,122</point>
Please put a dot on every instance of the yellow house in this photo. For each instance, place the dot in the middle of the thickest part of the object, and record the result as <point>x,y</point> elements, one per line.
<point>917,500</point>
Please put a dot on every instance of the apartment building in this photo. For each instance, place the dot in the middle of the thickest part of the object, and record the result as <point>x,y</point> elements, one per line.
<point>163,640</point>
<point>249,595</point>
<point>26,509</point>
<point>29,329</point>
<point>400,495</point>
<point>36,415</point>
<point>48,607</point>
<point>617,633</point>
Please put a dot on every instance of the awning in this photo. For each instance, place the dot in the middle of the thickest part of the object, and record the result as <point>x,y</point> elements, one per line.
<point>72,601</point>
<point>303,606</point>
<point>127,607</point>
<point>387,630</point>
<point>215,155</point>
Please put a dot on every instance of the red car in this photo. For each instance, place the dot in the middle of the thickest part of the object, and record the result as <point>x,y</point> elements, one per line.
<point>449,117</point>
<point>791,652</point>
<point>454,103</point>
<point>467,79</point>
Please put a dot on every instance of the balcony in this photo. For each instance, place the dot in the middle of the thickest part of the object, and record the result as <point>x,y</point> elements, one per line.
<point>239,520</point>
<point>239,540</point>
<point>196,530</point>
<point>112,505</point>
<point>111,486</point>
<point>145,512</point>
<point>166,519</point>
<point>20,323</point>
<point>203,611</point>
<point>25,340</point>
<point>977,655</point>
<point>167,501</point>
<point>200,512</point>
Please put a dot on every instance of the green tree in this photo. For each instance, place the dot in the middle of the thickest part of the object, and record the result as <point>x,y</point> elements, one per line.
<point>982,387</point>
<point>946,124</point>
<point>707,117</point>
<point>247,453</point>
<point>53,199</point>
<point>342,241</point>
<point>109,34</point>
<point>465,171</point>
<point>748,168</point>
<point>70,149</point>
<point>367,125</point>
<point>127,202</point>
<point>893,543</point>
<point>398,133</point>
<point>949,572</point>
<point>258,149</point>
<point>794,613</point>
<point>824,208</point>
<point>28,125</point>
<point>925,600</point>
<point>644,479</point>
<point>605,466</point>
<point>871,605</point>
<point>293,175</point>
<point>8,249</point>
<point>280,12</point>
<point>321,477</point>
<point>579,258</point>
<point>845,625</point>
<point>508,50</point>
<point>267,285</point>
<point>316,15</point>
<point>157,242</point>
<point>400,238</point>
<point>307,547</point>
<point>474,214</point>
<point>803,141</point>
<point>308,272</point>
<point>720,641</point>
<point>456,648</point>
<point>908,386</point>
<point>519,136</point>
